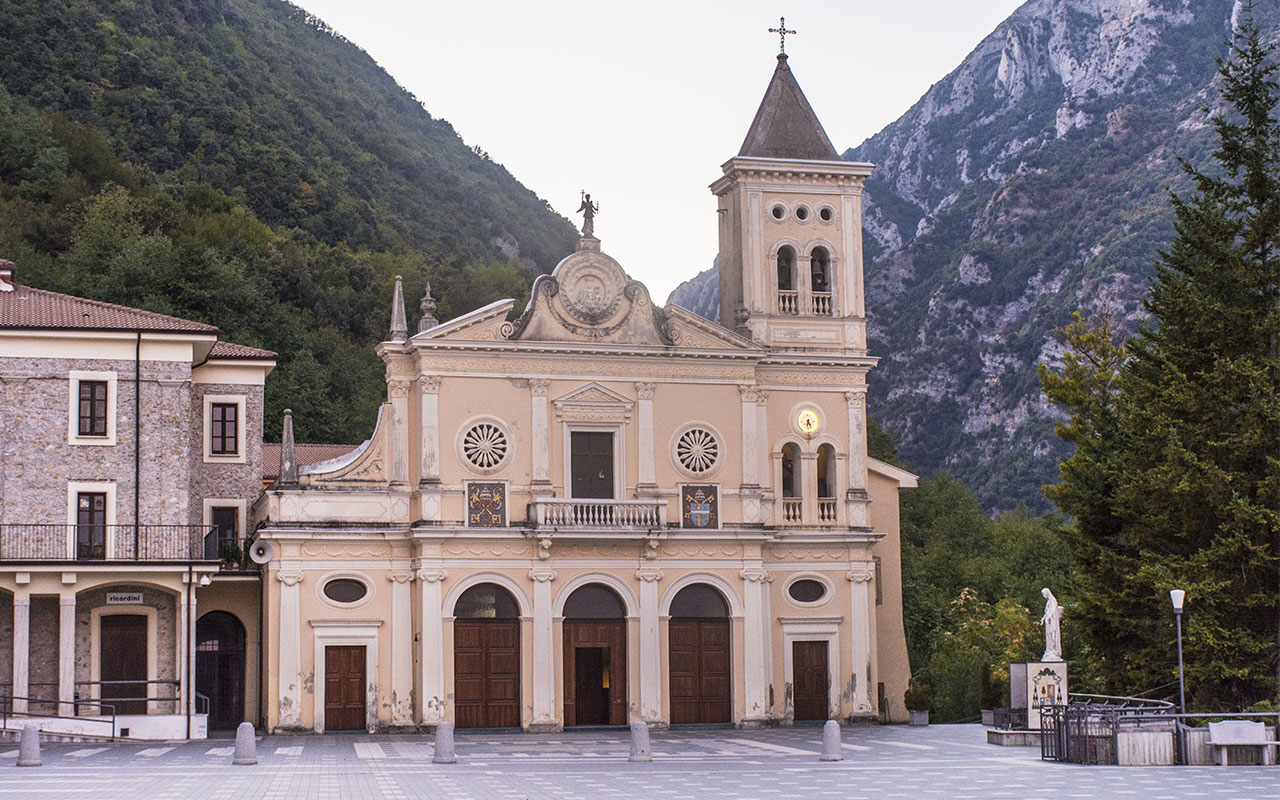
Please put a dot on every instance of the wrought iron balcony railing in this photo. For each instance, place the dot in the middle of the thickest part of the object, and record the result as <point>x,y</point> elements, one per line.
<point>62,542</point>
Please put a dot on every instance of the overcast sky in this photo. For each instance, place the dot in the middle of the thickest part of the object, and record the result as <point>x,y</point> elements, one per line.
<point>640,103</point>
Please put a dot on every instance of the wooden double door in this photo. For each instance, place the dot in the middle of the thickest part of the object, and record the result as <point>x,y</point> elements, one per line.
<point>344,688</point>
<point>486,673</point>
<point>700,673</point>
<point>595,672</point>
<point>811,681</point>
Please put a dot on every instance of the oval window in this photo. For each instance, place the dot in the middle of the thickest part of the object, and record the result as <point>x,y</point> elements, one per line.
<point>807,591</point>
<point>345,590</point>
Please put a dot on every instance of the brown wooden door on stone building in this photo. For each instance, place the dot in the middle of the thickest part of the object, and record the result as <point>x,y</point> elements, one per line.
<point>595,672</point>
<point>344,692</point>
<point>811,681</point>
<point>122,661</point>
<point>486,673</point>
<point>700,673</point>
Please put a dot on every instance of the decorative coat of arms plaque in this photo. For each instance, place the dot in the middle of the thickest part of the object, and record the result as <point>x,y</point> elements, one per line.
<point>487,505</point>
<point>699,505</point>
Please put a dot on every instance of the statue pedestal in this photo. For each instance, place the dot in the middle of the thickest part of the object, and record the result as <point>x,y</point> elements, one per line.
<point>1036,684</point>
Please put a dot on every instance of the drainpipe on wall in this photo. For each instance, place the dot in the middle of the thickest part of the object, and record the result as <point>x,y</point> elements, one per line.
<point>137,448</point>
<point>190,696</point>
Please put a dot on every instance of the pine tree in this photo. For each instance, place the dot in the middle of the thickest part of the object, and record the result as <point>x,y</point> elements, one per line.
<point>1176,478</point>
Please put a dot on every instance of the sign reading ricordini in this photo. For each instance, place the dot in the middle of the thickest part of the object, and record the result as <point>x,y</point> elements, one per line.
<point>124,598</point>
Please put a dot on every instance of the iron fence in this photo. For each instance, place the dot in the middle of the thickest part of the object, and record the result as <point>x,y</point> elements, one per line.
<point>89,543</point>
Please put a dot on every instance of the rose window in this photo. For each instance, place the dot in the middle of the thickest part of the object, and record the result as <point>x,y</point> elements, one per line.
<point>697,450</point>
<point>485,445</point>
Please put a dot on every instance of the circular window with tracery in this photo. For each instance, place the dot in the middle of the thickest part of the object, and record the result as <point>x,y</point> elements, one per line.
<point>485,446</point>
<point>697,451</point>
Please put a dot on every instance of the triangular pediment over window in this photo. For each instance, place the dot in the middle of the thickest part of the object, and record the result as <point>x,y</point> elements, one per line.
<point>594,402</point>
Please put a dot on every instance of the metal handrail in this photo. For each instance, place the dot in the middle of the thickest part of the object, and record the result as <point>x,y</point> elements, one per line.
<point>7,711</point>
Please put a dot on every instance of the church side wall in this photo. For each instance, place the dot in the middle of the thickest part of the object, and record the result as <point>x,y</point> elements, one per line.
<point>891,639</point>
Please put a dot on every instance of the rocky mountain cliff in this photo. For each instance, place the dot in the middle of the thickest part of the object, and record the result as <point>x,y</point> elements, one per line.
<point>1028,183</point>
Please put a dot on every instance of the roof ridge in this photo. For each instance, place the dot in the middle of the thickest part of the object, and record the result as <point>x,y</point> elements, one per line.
<point>116,306</point>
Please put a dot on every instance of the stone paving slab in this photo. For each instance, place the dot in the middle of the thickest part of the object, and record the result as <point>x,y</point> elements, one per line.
<point>942,761</point>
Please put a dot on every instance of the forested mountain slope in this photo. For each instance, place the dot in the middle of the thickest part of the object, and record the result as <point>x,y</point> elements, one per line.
<point>237,162</point>
<point>1028,183</point>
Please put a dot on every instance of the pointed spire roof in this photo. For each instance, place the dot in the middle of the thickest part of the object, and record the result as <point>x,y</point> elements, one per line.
<point>785,125</point>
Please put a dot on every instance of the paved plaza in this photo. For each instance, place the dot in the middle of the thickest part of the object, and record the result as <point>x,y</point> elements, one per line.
<point>943,761</point>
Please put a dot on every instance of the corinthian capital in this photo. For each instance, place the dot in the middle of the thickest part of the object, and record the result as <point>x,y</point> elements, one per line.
<point>398,389</point>
<point>539,386</point>
<point>644,391</point>
<point>429,384</point>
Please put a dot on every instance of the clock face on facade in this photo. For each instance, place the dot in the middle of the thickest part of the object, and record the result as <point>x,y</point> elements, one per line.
<point>807,421</point>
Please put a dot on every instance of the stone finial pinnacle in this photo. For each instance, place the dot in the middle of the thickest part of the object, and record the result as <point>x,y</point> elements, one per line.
<point>399,327</point>
<point>428,309</point>
<point>288,459</point>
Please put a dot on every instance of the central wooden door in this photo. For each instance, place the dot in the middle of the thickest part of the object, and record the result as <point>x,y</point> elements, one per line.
<point>122,660</point>
<point>591,457</point>
<point>811,682</point>
<point>700,674</point>
<point>595,672</point>
<point>344,688</point>
<point>486,673</point>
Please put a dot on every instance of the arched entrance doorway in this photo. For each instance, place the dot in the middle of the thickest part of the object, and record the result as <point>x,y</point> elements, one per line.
<point>698,654</point>
<point>220,668</point>
<point>595,658</point>
<point>486,658</point>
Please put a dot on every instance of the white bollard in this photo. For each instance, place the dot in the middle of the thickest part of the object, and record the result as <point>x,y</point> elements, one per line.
<point>444,744</point>
<point>831,742</point>
<point>29,750</point>
<point>246,745</point>
<point>640,751</point>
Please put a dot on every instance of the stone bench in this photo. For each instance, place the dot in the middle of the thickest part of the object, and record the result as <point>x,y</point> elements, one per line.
<point>1239,733</point>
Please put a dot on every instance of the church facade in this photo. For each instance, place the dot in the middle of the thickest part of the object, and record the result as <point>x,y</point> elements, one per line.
<point>603,510</point>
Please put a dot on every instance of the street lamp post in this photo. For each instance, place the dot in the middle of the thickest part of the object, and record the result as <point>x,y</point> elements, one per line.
<point>1177,596</point>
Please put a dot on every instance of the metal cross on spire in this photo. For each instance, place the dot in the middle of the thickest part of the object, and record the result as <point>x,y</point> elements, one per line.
<point>782,32</point>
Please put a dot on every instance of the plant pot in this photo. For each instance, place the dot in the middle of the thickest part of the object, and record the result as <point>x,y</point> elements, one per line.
<point>919,718</point>
<point>989,717</point>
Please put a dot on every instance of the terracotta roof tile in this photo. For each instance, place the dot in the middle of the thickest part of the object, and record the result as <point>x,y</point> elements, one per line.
<point>233,350</point>
<point>25,307</point>
<point>304,453</point>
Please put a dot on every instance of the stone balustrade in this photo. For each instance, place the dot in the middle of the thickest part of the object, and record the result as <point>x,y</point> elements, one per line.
<point>582,513</point>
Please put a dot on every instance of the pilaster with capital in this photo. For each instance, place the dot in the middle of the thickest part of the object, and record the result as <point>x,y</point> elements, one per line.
<point>861,574</point>
<point>750,438</point>
<point>290,644</point>
<point>398,395</point>
<point>858,502</point>
<point>544,668</point>
<point>401,647</point>
<point>757,647</point>
<point>21,648</point>
<point>431,605</point>
<point>764,459</point>
<point>541,436</point>
<point>646,483</point>
<point>650,647</point>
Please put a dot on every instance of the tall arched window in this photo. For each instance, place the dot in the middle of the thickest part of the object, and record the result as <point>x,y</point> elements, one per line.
<point>790,471</point>
<point>827,506</point>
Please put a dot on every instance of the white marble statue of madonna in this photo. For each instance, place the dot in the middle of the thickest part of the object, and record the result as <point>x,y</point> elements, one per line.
<point>1052,630</point>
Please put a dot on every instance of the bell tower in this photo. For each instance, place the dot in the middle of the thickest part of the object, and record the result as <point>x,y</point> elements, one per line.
<point>791,230</point>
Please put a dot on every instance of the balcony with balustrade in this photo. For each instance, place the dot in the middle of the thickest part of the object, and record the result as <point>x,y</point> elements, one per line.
<point>583,514</point>
<point>87,544</point>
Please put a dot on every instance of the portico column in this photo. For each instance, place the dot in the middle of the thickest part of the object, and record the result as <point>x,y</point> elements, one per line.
<point>857,498</point>
<point>756,644</point>
<point>401,649</point>
<point>431,582</point>
<point>398,394</point>
<point>21,647</point>
<point>860,577</point>
<point>650,647</point>
<point>66,646</point>
<point>541,438</point>
<point>290,675</point>
<point>544,667</point>
<point>646,482</point>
